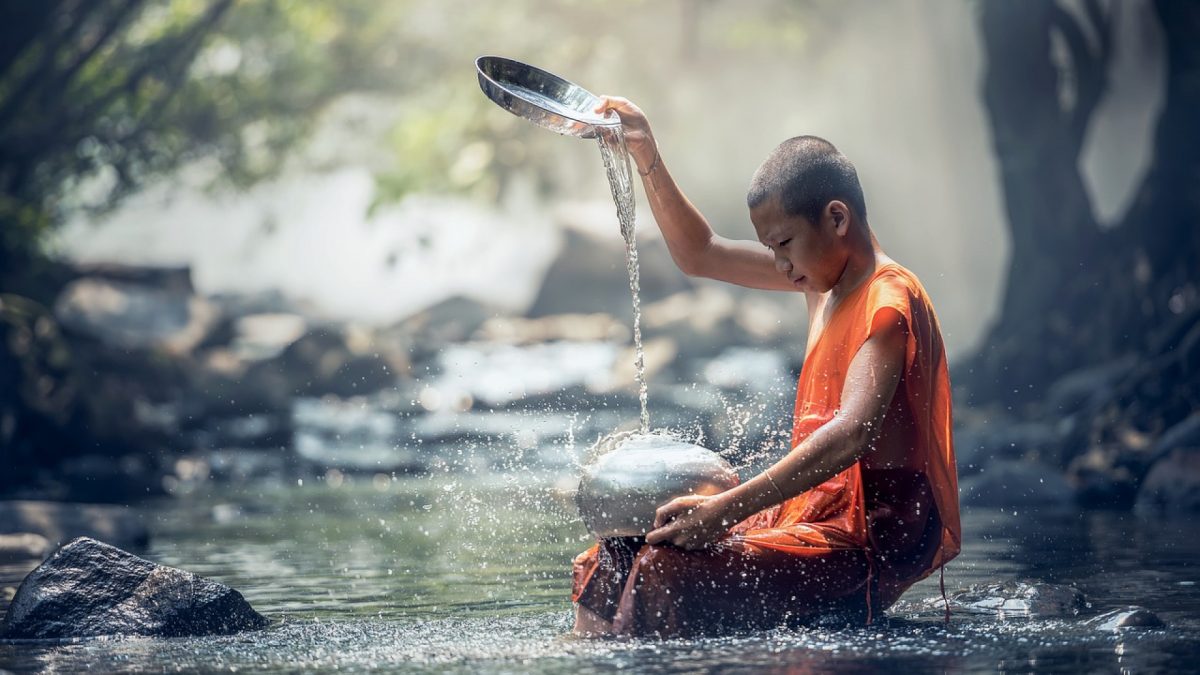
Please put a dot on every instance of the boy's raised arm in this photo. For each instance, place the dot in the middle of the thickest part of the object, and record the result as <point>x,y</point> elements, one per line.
<point>695,248</point>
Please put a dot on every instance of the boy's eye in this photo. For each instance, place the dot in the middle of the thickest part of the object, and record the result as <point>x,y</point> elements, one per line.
<point>785,242</point>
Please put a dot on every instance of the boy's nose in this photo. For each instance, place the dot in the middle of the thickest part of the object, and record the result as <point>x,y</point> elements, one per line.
<point>783,265</point>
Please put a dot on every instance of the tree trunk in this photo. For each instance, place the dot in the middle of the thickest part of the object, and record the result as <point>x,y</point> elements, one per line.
<point>1078,296</point>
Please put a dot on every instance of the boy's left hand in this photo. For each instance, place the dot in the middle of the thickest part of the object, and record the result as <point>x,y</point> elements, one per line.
<point>692,522</point>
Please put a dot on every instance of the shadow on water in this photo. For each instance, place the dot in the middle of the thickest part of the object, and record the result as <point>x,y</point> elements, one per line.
<point>457,572</point>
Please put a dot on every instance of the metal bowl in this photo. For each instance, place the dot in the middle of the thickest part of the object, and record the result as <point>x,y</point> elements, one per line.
<point>541,97</point>
<point>621,489</point>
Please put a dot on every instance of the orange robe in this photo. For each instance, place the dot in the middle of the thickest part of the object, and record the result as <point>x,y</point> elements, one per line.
<point>851,545</point>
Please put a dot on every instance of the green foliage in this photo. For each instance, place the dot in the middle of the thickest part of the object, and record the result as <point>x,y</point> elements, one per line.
<point>99,97</point>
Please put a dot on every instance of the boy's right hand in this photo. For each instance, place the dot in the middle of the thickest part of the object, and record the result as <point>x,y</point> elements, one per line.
<point>638,137</point>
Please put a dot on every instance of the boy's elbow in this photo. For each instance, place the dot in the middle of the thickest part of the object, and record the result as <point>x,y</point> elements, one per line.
<point>690,267</point>
<point>859,437</point>
<point>693,263</point>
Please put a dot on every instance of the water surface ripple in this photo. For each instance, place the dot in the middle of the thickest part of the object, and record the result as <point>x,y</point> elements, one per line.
<point>458,574</point>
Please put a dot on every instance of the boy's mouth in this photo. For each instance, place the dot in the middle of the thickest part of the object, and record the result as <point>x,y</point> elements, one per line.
<point>798,280</point>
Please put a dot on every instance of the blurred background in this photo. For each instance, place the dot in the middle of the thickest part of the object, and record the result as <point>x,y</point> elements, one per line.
<point>259,243</point>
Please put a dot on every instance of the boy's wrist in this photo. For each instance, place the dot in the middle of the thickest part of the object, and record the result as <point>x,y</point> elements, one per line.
<point>646,157</point>
<point>649,169</point>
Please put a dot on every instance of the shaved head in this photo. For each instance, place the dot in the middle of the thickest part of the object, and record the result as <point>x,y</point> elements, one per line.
<point>807,172</point>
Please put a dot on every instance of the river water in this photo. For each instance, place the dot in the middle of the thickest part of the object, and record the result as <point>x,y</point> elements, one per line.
<point>456,572</point>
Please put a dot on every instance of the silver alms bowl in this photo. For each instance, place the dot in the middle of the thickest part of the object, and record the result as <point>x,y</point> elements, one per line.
<point>621,489</point>
<point>541,97</point>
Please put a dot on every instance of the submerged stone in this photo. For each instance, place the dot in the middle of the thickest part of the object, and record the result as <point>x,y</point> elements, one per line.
<point>90,589</point>
<point>1019,598</point>
<point>1126,617</point>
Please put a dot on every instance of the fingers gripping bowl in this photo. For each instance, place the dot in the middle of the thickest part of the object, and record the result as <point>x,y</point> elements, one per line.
<point>621,489</point>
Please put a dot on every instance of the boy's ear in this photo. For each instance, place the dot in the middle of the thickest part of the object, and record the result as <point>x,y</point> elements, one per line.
<point>838,214</point>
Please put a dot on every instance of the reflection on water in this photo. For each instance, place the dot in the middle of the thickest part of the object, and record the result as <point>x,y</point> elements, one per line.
<point>453,571</point>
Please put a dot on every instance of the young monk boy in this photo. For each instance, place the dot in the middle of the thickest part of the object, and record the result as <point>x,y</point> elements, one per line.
<point>866,502</point>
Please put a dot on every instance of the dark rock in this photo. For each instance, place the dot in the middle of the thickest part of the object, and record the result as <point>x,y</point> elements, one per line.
<point>1185,434</point>
<point>454,319</point>
<point>225,388</point>
<point>39,391</point>
<point>1127,617</point>
<point>1102,480</point>
<point>132,316</point>
<point>980,445</point>
<point>23,546</point>
<point>89,589</point>
<point>1018,598</point>
<point>60,522</point>
<point>99,478</point>
<point>589,276</point>
<point>324,362</point>
<point>1088,388</point>
<point>1016,484</point>
<point>1173,484</point>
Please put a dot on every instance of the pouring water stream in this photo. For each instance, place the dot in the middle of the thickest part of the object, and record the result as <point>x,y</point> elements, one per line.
<point>620,180</point>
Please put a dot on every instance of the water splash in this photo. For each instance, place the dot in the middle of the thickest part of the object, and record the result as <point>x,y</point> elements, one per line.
<point>620,180</point>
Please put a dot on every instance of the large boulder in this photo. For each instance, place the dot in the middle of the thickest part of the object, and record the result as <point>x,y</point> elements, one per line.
<point>128,316</point>
<point>90,589</point>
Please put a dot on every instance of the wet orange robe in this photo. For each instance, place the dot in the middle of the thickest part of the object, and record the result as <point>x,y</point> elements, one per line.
<point>854,543</point>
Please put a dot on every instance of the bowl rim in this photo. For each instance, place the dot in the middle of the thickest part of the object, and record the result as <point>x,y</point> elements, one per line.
<point>609,120</point>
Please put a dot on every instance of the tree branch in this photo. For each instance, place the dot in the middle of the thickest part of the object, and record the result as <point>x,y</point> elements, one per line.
<point>24,24</point>
<point>62,80</point>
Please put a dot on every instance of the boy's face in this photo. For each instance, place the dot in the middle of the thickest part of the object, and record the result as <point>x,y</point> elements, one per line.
<point>812,256</point>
